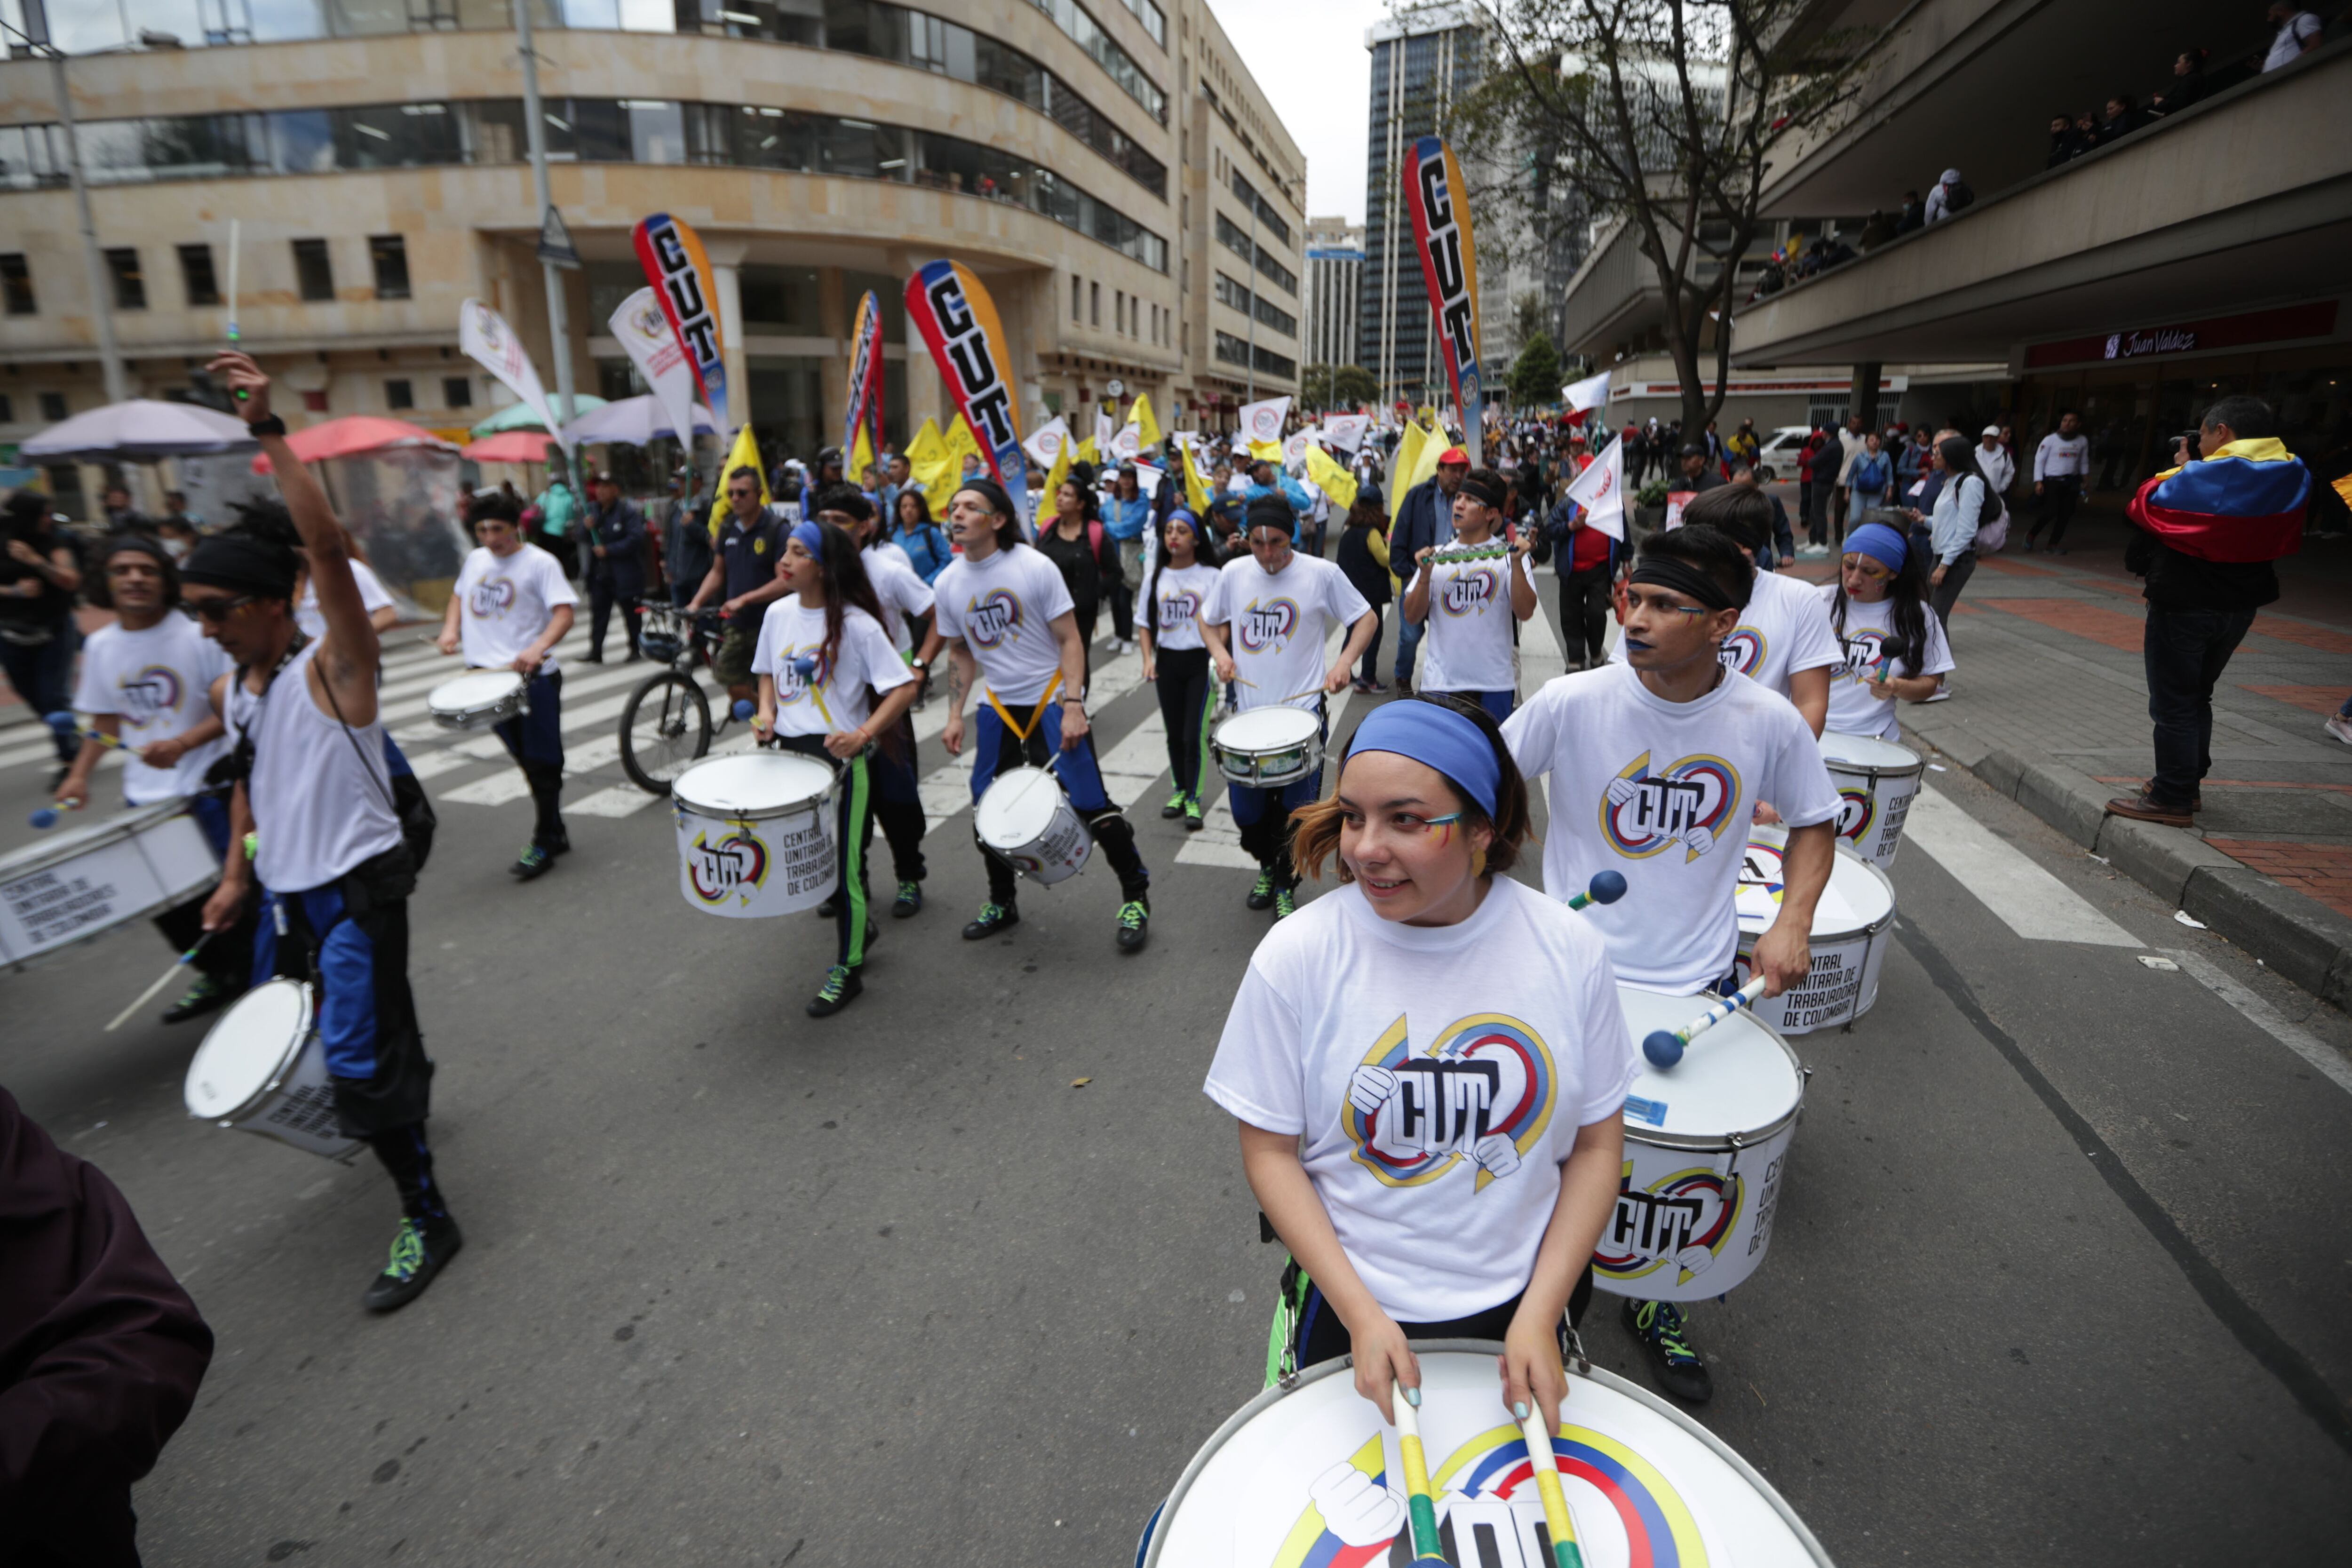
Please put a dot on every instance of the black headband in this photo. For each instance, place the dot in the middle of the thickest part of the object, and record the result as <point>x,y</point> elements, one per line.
<point>233,561</point>
<point>1479,491</point>
<point>989,491</point>
<point>1671,572</point>
<point>1271,511</point>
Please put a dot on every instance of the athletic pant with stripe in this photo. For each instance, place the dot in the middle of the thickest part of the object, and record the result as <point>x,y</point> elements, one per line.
<point>996,749</point>
<point>853,839</point>
<point>1264,815</point>
<point>1186,700</point>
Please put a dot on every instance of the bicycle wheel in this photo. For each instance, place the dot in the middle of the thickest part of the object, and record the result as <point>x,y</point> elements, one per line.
<point>664,728</point>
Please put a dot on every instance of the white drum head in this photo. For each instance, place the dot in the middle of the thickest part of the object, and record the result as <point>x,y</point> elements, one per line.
<point>1867,753</point>
<point>1735,1077</point>
<point>762,783</point>
<point>1018,808</point>
<point>1858,899</point>
<point>248,1047</point>
<point>1269,730</point>
<point>475,688</point>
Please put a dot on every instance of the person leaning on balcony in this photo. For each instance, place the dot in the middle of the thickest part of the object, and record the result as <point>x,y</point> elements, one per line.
<point>2066,144</point>
<point>2211,527</point>
<point>2298,34</point>
<point>2186,86</point>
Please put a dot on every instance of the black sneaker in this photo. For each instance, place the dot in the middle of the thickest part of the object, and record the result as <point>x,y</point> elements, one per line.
<point>1192,816</point>
<point>1134,925</point>
<point>206,996</point>
<point>1658,1326</point>
<point>1261,893</point>
<point>1286,904</point>
<point>993,918</point>
<point>909,902</point>
<point>531,864</point>
<point>842,987</point>
<point>559,845</point>
<point>418,1253</point>
<point>1175,806</point>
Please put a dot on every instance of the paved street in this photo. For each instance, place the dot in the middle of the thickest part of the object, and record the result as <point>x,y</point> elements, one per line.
<point>2056,1278</point>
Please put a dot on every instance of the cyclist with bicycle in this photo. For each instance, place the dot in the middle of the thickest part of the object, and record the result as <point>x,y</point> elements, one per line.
<point>743,578</point>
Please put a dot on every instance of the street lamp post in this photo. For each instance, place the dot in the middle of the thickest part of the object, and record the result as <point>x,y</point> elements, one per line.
<point>102,304</point>
<point>559,324</point>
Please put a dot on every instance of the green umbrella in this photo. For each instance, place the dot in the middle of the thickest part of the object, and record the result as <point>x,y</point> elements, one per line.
<point>519,415</point>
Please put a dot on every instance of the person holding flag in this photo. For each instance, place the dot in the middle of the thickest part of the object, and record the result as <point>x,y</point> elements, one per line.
<point>1588,528</point>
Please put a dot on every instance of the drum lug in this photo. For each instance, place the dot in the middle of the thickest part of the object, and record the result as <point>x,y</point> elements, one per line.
<point>1578,1362</point>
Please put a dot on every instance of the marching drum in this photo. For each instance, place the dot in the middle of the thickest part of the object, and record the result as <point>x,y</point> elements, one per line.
<point>1876,780</point>
<point>1024,818</point>
<point>262,1069</point>
<point>82,882</point>
<point>1266,748</point>
<point>755,834</point>
<point>1850,927</point>
<point>1707,1144</point>
<point>1311,1477</point>
<point>478,699</point>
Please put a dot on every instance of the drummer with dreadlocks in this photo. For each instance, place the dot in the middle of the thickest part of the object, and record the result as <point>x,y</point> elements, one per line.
<point>313,805</point>
<point>821,659</point>
<point>1005,616</point>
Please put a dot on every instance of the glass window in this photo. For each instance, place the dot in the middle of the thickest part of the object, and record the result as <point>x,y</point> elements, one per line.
<point>793,22</point>
<point>456,392</point>
<point>8,410</point>
<point>130,282</point>
<point>302,142</point>
<point>599,131</point>
<point>196,275</point>
<point>861,149</point>
<point>783,300</point>
<point>389,254</point>
<point>1087,34</point>
<point>16,284</point>
<point>657,130</point>
<point>53,408</point>
<point>25,160</point>
<point>314,271</point>
<point>399,394</point>
<point>396,136</point>
<point>609,283</point>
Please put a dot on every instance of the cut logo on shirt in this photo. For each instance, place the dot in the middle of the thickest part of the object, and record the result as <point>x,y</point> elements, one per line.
<point>1266,627</point>
<point>1743,650</point>
<point>1483,1092</point>
<point>492,597</point>
<point>151,693</point>
<point>1471,589</point>
<point>993,619</point>
<point>1177,607</point>
<point>1863,651</point>
<point>1686,803</point>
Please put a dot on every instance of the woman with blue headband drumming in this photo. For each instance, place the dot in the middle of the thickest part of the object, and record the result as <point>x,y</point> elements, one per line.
<point>1428,1067</point>
<point>1891,639</point>
<point>1176,659</point>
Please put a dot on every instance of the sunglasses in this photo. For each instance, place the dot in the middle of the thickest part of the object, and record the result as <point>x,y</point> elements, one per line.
<point>214,610</point>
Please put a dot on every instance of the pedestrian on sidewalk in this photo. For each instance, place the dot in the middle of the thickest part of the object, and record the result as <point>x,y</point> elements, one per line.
<point>1994,462</point>
<point>2060,465</point>
<point>1868,479</point>
<point>2212,529</point>
<point>40,572</point>
<point>1964,502</point>
<point>1364,558</point>
<point>615,531</point>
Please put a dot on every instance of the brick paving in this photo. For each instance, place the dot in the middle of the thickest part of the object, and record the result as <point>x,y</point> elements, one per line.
<point>2322,871</point>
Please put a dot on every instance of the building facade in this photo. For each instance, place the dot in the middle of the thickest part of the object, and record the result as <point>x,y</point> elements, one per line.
<point>1335,272</point>
<point>375,161</point>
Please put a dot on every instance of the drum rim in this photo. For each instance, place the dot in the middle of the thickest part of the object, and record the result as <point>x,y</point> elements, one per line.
<point>308,1020</point>
<point>814,803</point>
<point>1721,1143</point>
<point>1314,733</point>
<point>113,828</point>
<point>1008,776</point>
<point>1601,1376</point>
<point>1854,933</point>
<point>1917,766</point>
<point>504,693</point>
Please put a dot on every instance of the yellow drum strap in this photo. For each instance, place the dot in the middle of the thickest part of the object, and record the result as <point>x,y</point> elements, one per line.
<point>1036,714</point>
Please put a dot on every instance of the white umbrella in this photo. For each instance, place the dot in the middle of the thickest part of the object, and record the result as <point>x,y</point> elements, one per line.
<point>632,422</point>
<point>139,431</point>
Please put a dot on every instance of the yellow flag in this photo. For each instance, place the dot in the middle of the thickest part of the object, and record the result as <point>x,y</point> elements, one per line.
<point>959,440</point>
<point>1085,453</point>
<point>1196,491</point>
<point>1054,478</point>
<point>1329,478</point>
<point>1433,444</point>
<point>861,456</point>
<point>1408,456</point>
<point>1146,428</point>
<point>1266,452</point>
<point>746,455</point>
<point>932,465</point>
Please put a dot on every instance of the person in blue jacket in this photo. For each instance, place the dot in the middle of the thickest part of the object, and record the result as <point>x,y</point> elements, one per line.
<point>1127,518</point>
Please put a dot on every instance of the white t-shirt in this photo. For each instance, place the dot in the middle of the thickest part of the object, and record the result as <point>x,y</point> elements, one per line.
<point>159,682</point>
<point>507,601</point>
<point>891,548</point>
<point>2288,42</point>
<point>901,592</point>
<point>1275,625</point>
<point>372,598</point>
<point>791,631</point>
<point>1178,595</point>
<point>1783,630</point>
<point>1663,793</point>
<point>1003,609</point>
<point>1868,628</point>
<point>1436,1077</point>
<point>1468,643</point>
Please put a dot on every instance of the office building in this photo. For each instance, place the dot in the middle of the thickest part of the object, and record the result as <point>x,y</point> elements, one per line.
<point>1419,69</point>
<point>1335,268</point>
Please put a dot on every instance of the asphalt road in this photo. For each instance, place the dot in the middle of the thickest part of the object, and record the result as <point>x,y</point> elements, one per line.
<point>2060,1274</point>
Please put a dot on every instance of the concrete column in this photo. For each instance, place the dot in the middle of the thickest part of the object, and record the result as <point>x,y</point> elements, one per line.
<point>726,267</point>
<point>1863,398</point>
<point>833,315</point>
<point>926,398</point>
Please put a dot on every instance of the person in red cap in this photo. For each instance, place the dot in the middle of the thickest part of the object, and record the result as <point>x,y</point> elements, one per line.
<point>1423,521</point>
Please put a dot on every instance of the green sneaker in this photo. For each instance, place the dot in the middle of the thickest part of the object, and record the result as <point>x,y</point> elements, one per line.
<point>1285,905</point>
<point>206,996</point>
<point>418,1253</point>
<point>1134,925</point>
<point>1261,893</point>
<point>533,862</point>
<point>1191,814</point>
<point>1175,806</point>
<point>1658,1325</point>
<point>842,987</point>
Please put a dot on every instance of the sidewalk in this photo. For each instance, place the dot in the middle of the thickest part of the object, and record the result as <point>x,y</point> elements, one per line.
<point>2050,705</point>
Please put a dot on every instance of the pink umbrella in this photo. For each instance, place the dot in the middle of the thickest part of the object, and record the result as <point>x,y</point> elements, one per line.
<point>511,447</point>
<point>355,434</point>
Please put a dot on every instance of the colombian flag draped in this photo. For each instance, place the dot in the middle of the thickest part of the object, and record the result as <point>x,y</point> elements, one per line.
<point>958,320</point>
<point>2243,503</point>
<point>671,253</point>
<point>1440,205</point>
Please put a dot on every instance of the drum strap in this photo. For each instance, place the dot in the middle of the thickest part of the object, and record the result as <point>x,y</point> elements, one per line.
<point>1036,714</point>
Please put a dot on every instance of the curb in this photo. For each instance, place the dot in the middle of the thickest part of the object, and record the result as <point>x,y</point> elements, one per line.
<point>2296,937</point>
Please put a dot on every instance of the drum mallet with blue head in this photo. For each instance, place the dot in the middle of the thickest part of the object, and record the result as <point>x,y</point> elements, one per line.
<point>1428,1550</point>
<point>48,816</point>
<point>1606,887</point>
<point>1565,1552</point>
<point>161,981</point>
<point>1664,1046</point>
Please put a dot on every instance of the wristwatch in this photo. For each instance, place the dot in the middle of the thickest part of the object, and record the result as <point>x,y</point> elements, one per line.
<point>921,664</point>
<point>271,425</point>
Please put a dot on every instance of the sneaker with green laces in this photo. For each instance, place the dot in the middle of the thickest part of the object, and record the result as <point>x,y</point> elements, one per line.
<point>1286,904</point>
<point>993,918</point>
<point>1261,893</point>
<point>1658,1326</point>
<point>1134,925</point>
<point>1175,806</point>
<point>206,996</point>
<point>533,862</point>
<point>1193,813</point>
<point>418,1253</point>
<point>909,902</point>
<point>842,987</point>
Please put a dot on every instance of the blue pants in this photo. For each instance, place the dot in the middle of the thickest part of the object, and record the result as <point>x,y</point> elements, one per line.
<point>1264,815</point>
<point>996,749</point>
<point>1497,703</point>
<point>1409,635</point>
<point>535,739</point>
<point>43,677</point>
<point>366,1015</point>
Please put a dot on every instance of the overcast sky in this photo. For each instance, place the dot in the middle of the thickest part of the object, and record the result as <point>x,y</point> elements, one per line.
<point>1309,60</point>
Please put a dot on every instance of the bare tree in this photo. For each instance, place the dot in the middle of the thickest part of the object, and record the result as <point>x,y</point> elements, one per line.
<point>1665,114</point>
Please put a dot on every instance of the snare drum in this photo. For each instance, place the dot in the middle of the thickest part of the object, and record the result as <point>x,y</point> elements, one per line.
<point>78,882</point>
<point>1282,1481</point>
<point>755,834</point>
<point>1850,924</point>
<point>263,1070</point>
<point>1024,818</point>
<point>1266,748</point>
<point>1707,1145</point>
<point>1876,780</point>
<point>478,699</point>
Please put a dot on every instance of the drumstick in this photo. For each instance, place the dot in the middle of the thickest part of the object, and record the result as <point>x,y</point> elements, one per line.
<point>161,981</point>
<point>1556,1522</point>
<point>1427,1550</point>
<point>1606,887</point>
<point>805,667</point>
<point>47,818</point>
<point>1664,1046</point>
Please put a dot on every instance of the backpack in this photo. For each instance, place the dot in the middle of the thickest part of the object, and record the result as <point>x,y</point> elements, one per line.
<point>1957,195</point>
<point>1992,531</point>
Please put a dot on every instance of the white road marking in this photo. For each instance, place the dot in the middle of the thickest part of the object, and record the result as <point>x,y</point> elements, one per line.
<point>2032,902</point>
<point>2330,1062</point>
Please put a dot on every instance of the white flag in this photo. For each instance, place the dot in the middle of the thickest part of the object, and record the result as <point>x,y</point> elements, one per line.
<point>485,337</point>
<point>1045,443</point>
<point>646,336</point>
<point>1127,445</point>
<point>1263,421</point>
<point>1104,431</point>
<point>1346,431</point>
<point>1601,491</point>
<point>1294,447</point>
<point>1593,391</point>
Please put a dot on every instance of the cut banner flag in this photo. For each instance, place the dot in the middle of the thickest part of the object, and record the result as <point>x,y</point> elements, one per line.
<point>671,253</point>
<point>1440,205</point>
<point>1601,491</point>
<point>862,415</point>
<point>484,337</point>
<point>951,308</point>
<point>642,329</point>
<point>1049,448</point>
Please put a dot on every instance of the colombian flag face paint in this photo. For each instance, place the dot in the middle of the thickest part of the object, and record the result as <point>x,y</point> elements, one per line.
<point>1440,205</point>
<point>671,253</point>
<point>958,321</point>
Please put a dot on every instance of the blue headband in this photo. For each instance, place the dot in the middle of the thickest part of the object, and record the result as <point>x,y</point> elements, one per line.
<point>1438,737</point>
<point>1881,543</point>
<point>810,536</point>
<point>1183,514</point>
